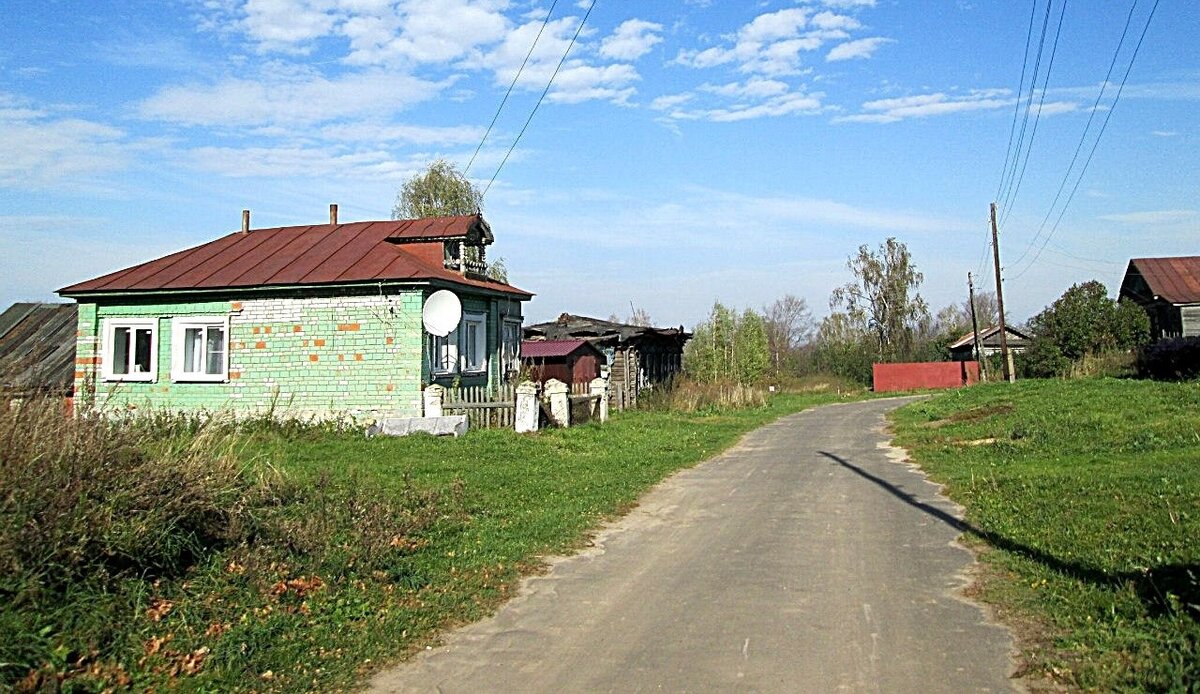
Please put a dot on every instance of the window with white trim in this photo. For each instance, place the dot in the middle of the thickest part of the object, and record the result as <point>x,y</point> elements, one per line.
<point>510,347</point>
<point>474,342</point>
<point>444,353</point>
<point>200,349</point>
<point>130,350</point>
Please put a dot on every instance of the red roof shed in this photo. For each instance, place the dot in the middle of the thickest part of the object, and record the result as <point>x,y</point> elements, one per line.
<point>570,361</point>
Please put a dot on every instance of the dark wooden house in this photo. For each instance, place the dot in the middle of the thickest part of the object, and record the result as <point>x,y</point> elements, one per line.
<point>37,349</point>
<point>989,340</point>
<point>638,356</point>
<point>570,361</point>
<point>1168,289</point>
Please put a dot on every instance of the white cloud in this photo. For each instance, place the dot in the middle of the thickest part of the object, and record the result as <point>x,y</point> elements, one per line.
<point>773,43</point>
<point>753,88</point>
<point>586,82</point>
<point>288,24</point>
<point>1154,217</point>
<point>1164,133</point>
<point>288,99</point>
<point>631,40</point>
<point>43,150</point>
<point>384,133</point>
<point>304,162</point>
<point>859,48</point>
<point>419,31</point>
<point>786,104</point>
<point>940,103</point>
<point>670,101</point>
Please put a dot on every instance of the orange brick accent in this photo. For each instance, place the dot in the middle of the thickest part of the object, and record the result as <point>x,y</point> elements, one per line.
<point>88,360</point>
<point>391,340</point>
<point>390,387</point>
<point>312,357</point>
<point>235,306</point>
<point>295,328</point>
<point>358,357</point>
<point>348,327</point>
<point>260,345</point>
<point>304,343</point>
<point>267,330</point>
<point>341,357</point>
<point>318,342</point>
<point>79,374</point>
<point>234,375</point>
<point>255,330</point>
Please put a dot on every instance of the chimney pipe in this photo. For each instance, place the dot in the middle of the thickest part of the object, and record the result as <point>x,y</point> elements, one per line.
<point>245,221</point>
<point>333,213</point>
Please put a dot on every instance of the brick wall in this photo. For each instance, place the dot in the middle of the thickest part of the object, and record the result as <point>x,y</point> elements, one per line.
<point>910,376</point>
<point>356,355</point>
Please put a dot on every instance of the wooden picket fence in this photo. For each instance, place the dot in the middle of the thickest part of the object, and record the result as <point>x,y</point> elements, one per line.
<point>495,407</point>
<point>486,407</point>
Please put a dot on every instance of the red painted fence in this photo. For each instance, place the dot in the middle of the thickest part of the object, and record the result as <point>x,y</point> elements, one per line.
<point>936,374</point>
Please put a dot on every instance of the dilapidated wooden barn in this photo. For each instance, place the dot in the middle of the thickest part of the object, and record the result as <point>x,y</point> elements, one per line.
<point>638,356</point>
<point>37,349</point>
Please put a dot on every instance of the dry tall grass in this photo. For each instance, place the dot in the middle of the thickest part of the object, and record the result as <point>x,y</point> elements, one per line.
<point>686,395</point>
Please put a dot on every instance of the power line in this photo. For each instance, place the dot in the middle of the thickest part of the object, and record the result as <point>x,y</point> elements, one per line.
<point>1037,63</point>
<point>510,86</point>
<point>543,96</point>
<point>1037,118</point>
<point>1012,129</point>
<point>1083,137</point>
<point>1099,136</point>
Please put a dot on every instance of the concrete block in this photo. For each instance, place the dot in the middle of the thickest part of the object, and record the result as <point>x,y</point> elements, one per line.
<point>450,425</point>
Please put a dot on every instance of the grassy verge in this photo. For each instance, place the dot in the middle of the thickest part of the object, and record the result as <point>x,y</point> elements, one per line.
<point>316,556</point>
<point>1084,497</point>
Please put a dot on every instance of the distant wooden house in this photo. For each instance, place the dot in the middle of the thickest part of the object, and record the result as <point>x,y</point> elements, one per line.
<point>989,339</point>
<point>1168,289</point>
<point>570,361</point>
<point>37,349</point>
<point>638,356</point>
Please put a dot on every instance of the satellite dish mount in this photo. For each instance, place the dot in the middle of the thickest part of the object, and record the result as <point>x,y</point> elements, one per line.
<point>441,313</point>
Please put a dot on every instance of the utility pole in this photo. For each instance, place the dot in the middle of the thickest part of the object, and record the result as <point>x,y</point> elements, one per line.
<point>1005,356</point>
<point>975,329</point>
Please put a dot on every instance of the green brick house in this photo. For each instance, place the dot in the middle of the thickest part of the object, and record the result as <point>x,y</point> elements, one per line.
<point>321,320</point>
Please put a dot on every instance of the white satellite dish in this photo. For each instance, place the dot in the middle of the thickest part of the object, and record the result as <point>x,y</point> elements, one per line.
<point>441,313</point>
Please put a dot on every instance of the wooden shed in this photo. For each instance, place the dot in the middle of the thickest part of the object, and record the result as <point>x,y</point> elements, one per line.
<point>570,361</point>
<point>37,349</point>
<point>989,340</point>
<point>638,356</point>
<point>1168,289</point>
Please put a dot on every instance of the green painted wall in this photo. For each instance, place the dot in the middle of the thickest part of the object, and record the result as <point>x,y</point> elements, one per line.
<point>352,354</point>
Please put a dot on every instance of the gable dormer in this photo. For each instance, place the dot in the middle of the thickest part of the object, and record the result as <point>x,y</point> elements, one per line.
<point>461,242</point>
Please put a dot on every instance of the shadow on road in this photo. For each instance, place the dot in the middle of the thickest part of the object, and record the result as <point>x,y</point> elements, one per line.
<point>1152,586</point>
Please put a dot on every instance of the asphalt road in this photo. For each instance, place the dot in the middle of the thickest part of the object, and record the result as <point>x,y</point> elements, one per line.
<point>809,558</point>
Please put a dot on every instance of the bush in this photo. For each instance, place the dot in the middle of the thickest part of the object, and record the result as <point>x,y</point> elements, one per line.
<point>1170,360</point>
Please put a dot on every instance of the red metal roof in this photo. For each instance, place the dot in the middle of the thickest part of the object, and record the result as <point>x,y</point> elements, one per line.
<point>299,255</point>
<point>1175,280</point>
<point>538,349</point>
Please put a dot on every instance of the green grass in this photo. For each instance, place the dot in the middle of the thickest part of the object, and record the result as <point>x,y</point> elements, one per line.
<point>1084,497</point>
<point>367,549</point>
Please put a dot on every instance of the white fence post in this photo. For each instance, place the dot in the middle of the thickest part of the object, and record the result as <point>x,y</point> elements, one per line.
<point>599,390</point>
<point>559,394</point>
<point>435,395</point>
<point>528,411</point>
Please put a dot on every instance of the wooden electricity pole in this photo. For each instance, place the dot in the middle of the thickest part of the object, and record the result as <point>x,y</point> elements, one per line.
<point>975,329</point>
<point>1005,356</point>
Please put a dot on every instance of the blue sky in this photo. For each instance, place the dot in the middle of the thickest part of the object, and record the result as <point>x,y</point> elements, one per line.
<point>688,151</point>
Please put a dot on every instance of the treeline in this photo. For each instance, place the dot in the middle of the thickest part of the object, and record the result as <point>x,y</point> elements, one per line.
<point>880,316</point>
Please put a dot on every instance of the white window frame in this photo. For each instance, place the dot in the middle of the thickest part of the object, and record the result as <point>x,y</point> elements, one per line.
<point>449,344</point>
<point>479,320</point>
<point>107,361</point>
<point>510,362</point>
<point>179,327</point>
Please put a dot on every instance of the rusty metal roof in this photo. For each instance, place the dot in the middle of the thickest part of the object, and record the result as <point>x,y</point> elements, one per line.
<point>538,349</point>
<point>1174,280</point>
<point>301,255</point>
<point>37,347</point>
